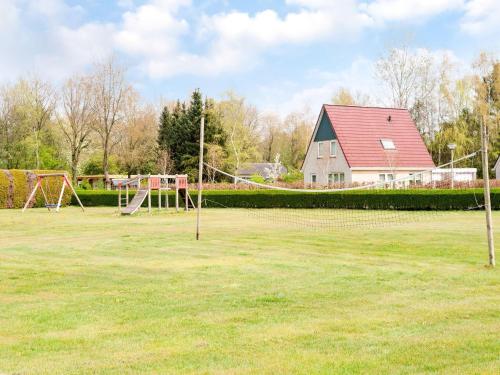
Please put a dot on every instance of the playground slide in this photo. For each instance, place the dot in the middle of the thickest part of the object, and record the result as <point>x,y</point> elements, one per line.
<point>135,203</point>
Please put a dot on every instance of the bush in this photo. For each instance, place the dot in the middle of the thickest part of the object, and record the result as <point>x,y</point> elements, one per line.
<point>257,178</point>
<point>372,199</point>
<point>293,176</point>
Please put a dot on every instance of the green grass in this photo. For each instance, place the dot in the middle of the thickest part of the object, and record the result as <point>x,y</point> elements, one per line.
<point>97,293</point>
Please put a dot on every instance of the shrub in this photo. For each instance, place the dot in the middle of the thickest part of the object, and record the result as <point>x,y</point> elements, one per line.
<point>257,178</point>
<point>293,176</point>
<point>372,199</point>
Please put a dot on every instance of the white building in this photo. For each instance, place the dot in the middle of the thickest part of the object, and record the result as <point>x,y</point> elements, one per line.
<point>497,169</point>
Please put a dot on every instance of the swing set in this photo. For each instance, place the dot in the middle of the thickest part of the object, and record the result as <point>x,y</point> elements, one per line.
<point>52,193</point>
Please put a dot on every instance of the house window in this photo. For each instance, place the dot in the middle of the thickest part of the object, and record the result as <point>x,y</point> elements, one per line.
<point>388,144</point>
<point>336,178</point>
<point>333,148</point>
<point>313,178</point>
<point>385,177</point>
<point>416,179</point>
<point>320,150</point>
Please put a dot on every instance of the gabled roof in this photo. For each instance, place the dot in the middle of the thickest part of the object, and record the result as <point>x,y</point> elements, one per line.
<point>359,131</point>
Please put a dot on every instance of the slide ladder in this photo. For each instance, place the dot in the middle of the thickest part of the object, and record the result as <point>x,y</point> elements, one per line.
<point>135,203</point>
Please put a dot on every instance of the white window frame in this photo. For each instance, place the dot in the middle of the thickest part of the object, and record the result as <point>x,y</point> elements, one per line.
<point>334,153</point>
<point>320,150</point>
<point>336,178</point>
<point>314,178</point>
<point>388,144</point>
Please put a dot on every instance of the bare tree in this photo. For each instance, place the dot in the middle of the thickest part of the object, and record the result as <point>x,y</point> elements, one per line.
<point>412,81</point>
<point>136,148</point>
<point>111,92</point>
<point>40,101</point>
<point>79,117</point>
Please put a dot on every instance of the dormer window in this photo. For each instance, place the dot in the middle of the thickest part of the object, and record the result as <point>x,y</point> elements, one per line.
<point>388,144</point>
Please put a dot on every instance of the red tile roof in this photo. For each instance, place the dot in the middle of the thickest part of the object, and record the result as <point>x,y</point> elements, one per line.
<point>360,129</point>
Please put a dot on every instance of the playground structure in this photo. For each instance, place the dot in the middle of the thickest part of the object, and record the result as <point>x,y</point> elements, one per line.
<point>49,195</point>
<point>147,183</point>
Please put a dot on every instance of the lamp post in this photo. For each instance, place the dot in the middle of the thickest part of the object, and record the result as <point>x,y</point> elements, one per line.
<point>452,147</point>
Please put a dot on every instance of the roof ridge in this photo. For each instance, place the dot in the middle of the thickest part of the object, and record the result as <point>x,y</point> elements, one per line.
<point>363,106</point>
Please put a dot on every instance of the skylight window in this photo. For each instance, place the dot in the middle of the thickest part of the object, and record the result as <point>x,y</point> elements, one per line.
<point>388,144</point>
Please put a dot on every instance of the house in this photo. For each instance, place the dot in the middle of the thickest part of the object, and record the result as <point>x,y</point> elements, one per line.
<point>269,171</point>
<point>362,145</point>
<point>496,168</point>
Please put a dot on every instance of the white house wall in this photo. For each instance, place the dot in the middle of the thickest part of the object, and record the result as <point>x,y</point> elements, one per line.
<point>325,165</point>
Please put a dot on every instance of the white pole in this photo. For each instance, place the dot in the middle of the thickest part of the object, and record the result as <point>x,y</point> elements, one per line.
<point>61,195</point>
<point>452,170</point>
<point>200,177</point>
<point>487,198</point>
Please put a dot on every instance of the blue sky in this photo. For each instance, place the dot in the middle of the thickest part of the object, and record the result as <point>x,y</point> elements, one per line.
<point>282,55</point>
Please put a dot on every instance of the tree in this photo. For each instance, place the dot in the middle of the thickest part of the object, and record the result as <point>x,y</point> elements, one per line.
<point>78,117</point>
<point>300,128</point>
<point>179,132</point>
<point>412,81</point>
<point>136,150</point>
<point>272,131</point>
<point>40,101</point>
<point>344,97</point>
<point>111,93</point>
<point>14,130</point>
<point>240,123</point>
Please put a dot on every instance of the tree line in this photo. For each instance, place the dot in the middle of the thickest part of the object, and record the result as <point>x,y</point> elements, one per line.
<point>97,123</point>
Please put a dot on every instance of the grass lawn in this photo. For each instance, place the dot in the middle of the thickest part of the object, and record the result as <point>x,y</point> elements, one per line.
<point>97,293</point>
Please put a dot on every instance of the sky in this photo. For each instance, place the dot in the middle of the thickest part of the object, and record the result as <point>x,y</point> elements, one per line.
<point>281,55</point>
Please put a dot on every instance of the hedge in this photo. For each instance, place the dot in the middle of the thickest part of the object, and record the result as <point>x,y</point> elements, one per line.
<point>442,199</point>
<point>16,186</point>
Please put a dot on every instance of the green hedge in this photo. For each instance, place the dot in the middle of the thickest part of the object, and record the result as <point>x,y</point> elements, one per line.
<point>367,199</point>
<point>16,186</point>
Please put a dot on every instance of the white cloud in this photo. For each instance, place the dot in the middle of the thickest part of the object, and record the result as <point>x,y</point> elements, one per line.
<point>52,50</point>
<point>383,11</point>
<point>359,77</point>
<point>237,39</point>
<point>481,16</point>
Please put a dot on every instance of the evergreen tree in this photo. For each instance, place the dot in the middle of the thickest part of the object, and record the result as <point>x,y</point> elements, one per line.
<point>179,132</point>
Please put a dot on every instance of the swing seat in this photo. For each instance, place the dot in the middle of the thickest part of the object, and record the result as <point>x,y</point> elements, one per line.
<point>51,205</point>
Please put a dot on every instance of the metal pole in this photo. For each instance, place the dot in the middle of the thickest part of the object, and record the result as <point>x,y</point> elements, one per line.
<point>200,176</point>
<point>487,198</point>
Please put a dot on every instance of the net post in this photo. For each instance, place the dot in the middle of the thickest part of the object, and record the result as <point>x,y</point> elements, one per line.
<point>487,197</point>
<point>200,176</point>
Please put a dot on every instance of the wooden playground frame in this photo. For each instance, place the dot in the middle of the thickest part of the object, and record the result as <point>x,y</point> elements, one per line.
<point>65,182</point>
<point>154,182</point>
